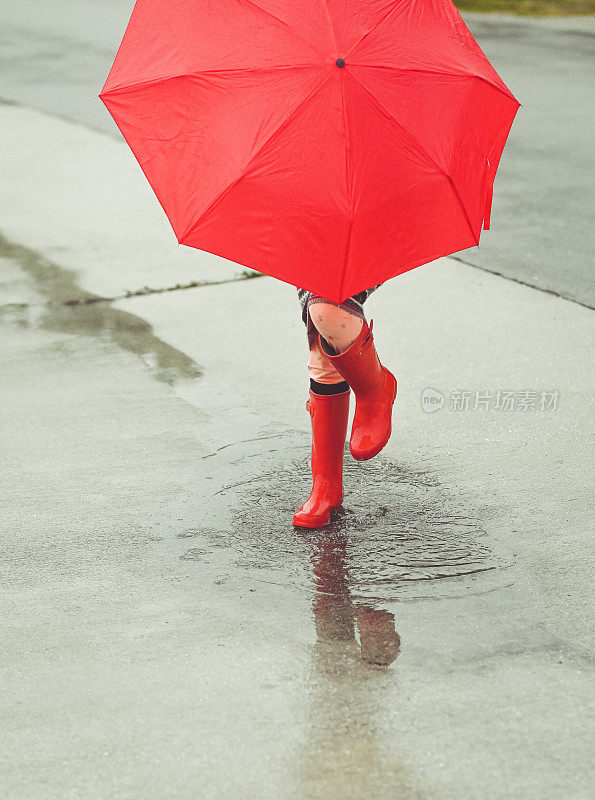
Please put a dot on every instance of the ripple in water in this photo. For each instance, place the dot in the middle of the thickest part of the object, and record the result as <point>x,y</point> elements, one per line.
<point>405,536</point>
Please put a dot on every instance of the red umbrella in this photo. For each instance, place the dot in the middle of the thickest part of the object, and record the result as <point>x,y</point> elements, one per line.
<point>332,144</point>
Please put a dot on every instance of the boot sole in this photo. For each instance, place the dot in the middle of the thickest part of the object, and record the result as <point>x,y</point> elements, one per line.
<point>320,524</point>
<point>382,445</point>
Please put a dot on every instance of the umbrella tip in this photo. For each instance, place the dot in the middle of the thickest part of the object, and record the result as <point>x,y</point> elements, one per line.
<point>340,62</point>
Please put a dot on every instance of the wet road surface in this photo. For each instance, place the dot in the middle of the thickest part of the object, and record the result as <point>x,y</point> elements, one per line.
<point>56,56</point>
<point>169,634</point>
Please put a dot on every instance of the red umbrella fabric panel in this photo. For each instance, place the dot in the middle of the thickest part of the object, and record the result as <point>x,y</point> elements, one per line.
<point>332,145</point>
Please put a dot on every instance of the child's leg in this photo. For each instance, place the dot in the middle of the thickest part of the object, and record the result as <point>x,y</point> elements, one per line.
<point>339,327</point>
<point>374,386</point>
<point>329,410</point>
<point>320,368</point>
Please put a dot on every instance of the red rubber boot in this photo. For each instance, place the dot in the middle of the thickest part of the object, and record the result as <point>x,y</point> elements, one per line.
<point>375,389</point>
<point>329,414</point>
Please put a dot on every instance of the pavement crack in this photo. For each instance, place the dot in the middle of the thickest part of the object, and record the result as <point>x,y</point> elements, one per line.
<point>59,283</point>
<point>145,290</point>
<point>530,285</point>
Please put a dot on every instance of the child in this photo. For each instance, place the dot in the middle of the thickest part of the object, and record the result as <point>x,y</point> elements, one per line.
<point>342,356</point>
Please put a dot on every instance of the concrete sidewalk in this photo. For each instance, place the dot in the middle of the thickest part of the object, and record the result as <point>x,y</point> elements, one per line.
<point>165,633</point>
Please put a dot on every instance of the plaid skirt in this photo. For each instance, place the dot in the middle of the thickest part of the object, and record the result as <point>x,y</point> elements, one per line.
<point>354,305</point>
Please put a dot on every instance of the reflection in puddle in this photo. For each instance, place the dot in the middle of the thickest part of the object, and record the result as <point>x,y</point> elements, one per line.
<point>405,536</point>
<point>336,615</point>
<point>401,537</point>
<point>344,753</point>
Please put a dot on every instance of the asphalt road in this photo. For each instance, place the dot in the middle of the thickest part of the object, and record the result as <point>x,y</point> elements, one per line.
<point>55,56</point>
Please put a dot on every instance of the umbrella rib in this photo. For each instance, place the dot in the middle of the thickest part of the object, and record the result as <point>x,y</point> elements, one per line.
<point>348,179</point>
<point>421,150</point>
<point>380,21</point>
<point>437,72</point>
<point>330,22</point>
<point>198,72</point>
<point>505,91</point>
<point>282,21</point>
<point>246,166</point>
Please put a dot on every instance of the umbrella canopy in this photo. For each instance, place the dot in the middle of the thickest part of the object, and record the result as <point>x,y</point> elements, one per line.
<point>332,144</point>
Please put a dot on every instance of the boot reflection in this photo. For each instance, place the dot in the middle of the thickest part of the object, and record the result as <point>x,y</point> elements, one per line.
<point>380,643</point>
<point>347,753</point>
<point>336,615</point>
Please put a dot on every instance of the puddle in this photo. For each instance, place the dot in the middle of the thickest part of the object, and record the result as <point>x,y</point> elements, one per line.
<point>400,538</point>
<point>402,535</point>
<point>72,311</point>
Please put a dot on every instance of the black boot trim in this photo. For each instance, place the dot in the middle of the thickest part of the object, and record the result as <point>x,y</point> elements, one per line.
<point>328,388</point>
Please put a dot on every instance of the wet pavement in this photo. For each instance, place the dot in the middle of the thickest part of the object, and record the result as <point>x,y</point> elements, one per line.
<point>167,632</point>
<point>56,55</point>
